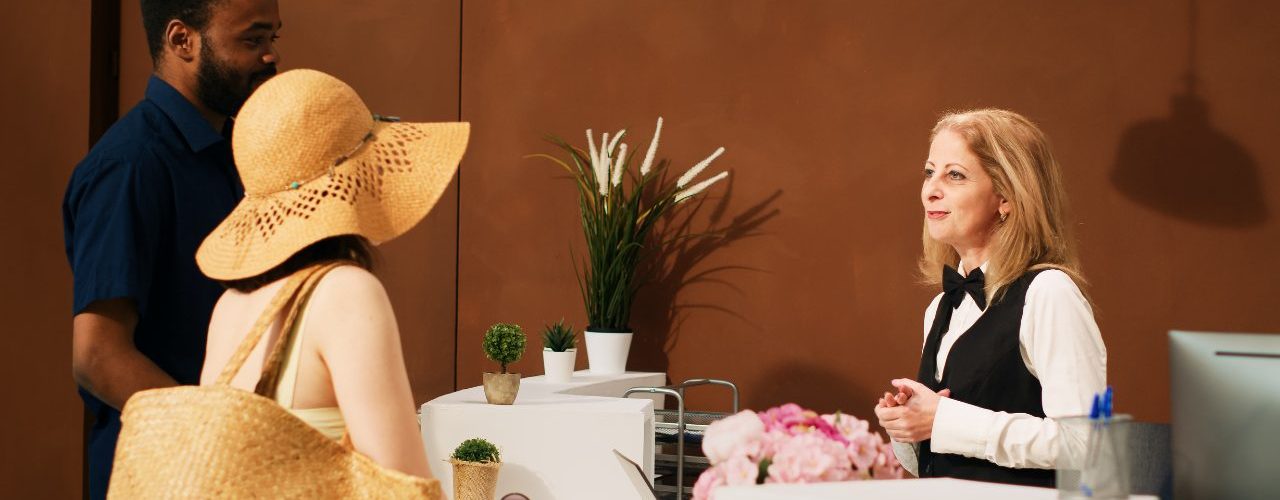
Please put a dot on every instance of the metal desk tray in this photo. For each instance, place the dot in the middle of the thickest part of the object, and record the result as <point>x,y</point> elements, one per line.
<point>673,429</point>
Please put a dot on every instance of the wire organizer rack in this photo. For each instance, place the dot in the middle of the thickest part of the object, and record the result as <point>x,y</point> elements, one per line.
<point>674,430</point>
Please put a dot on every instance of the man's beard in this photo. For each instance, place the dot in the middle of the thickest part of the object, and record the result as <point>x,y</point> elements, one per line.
<point>219,88</point>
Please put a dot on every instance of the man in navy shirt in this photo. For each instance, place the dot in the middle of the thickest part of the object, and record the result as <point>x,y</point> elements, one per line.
<point>147,194</point>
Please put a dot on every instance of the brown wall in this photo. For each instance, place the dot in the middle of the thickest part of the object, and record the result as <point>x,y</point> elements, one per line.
<point>44,48</point>
<point>824,109</point>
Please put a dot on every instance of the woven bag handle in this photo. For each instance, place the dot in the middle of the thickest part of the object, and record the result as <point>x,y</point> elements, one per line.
<point>287,295</point>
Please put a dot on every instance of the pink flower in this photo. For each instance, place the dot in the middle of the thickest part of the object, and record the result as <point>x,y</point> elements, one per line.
<point>822,425</point>
<point>735,435</point>
<point>864,446</point>
<point>783,417</point>
<point>848,426</point>
<point>864,450</point>
<point>886,465</point>
<point>793,420</point>
<point>771,441</point>
<point>739,471</point>
<point>704,489</point>
<point>808,458</point>
<point>802,447</point>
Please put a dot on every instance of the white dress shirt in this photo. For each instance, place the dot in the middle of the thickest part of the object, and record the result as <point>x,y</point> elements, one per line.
<point>1061,347</point>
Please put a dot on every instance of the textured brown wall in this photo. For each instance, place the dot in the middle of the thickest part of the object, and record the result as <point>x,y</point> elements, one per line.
<point>44,48</point>
<point>402,57</point>
<point>824,108</point>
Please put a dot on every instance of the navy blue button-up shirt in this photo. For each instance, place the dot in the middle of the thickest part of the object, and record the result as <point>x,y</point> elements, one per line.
<point>135,210</point>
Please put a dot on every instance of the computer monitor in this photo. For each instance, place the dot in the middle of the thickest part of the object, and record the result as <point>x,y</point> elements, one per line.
<point>1225,389</point>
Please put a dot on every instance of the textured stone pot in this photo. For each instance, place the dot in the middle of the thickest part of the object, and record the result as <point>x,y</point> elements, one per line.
<point>501,388</point>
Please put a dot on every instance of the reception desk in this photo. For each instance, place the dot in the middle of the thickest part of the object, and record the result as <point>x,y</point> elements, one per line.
<point>557,440</point>
<point>950,489</point>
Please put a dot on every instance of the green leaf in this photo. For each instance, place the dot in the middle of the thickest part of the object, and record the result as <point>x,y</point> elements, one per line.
<point>558,337</point>
<point>764,470</point>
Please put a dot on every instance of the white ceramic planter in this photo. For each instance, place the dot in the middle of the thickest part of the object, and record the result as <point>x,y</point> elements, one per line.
<point>607,352</point>
<point>558,366</point>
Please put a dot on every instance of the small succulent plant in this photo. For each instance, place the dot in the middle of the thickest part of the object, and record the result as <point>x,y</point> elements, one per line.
<point>558,337</point>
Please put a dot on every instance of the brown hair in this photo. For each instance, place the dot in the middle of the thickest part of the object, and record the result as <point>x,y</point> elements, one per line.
<point>1035,235</point>
<point>349,247</point>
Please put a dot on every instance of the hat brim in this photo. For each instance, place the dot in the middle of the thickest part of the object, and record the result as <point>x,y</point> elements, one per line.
<point>380,192</point>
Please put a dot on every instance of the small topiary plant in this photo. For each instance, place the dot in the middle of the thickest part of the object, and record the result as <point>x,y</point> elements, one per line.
<point>504,343</point>
<point>558,337</point>
<point>477,450</point>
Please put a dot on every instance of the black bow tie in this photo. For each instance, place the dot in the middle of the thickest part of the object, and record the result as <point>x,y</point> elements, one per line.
<point>954,286</point>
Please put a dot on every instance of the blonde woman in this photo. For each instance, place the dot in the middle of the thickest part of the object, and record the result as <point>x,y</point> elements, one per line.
<point>1010,344</point>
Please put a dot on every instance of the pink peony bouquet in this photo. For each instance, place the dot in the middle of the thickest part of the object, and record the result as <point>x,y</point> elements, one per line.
<point>790,444</point>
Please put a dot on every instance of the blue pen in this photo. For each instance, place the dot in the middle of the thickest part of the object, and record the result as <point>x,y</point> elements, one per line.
<point>1106,403</point>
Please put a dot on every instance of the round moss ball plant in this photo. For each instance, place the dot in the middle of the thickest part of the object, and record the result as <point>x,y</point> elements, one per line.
<point>504,343</point>
<point>477,450</point>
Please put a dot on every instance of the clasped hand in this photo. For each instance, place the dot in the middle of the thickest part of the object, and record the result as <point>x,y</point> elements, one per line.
<point>908,415</point>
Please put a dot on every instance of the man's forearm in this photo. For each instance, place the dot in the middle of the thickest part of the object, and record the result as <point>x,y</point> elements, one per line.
<point>104,359</point>
<point>115,376</point>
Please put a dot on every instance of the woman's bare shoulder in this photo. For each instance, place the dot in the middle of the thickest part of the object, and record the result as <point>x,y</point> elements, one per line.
<point>349,284</point>
<point>347,298</point>
<point>225,315</point>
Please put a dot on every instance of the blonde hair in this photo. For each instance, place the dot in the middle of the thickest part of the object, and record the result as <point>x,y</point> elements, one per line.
<point>1035,235</point>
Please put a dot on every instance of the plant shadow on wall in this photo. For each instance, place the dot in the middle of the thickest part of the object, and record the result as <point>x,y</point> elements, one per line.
<point>689,240</point>
<point>825,389</point>
<point>1185,168</point>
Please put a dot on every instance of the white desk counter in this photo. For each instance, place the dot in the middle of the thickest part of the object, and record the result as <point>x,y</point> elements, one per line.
<point>932,488</point>
<point>556,441</point>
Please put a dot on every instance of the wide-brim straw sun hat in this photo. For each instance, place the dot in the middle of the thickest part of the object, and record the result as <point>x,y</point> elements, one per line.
<point>316,163</point>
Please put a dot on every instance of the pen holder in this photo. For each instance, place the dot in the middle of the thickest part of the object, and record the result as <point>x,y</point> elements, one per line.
<point>1093,457</point>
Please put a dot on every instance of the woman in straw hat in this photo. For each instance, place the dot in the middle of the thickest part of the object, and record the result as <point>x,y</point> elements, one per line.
<point>324,181</point>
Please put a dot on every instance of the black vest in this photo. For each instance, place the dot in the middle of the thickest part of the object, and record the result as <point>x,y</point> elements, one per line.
<point>985,369</point>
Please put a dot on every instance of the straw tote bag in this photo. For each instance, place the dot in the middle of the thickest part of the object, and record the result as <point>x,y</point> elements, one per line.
<point>221,442</point>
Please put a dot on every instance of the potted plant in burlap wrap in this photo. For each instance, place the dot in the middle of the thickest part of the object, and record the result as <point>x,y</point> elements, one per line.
<point>475,470</point>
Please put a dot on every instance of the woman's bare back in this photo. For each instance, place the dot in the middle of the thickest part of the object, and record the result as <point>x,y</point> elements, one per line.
<point>351,358</point>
